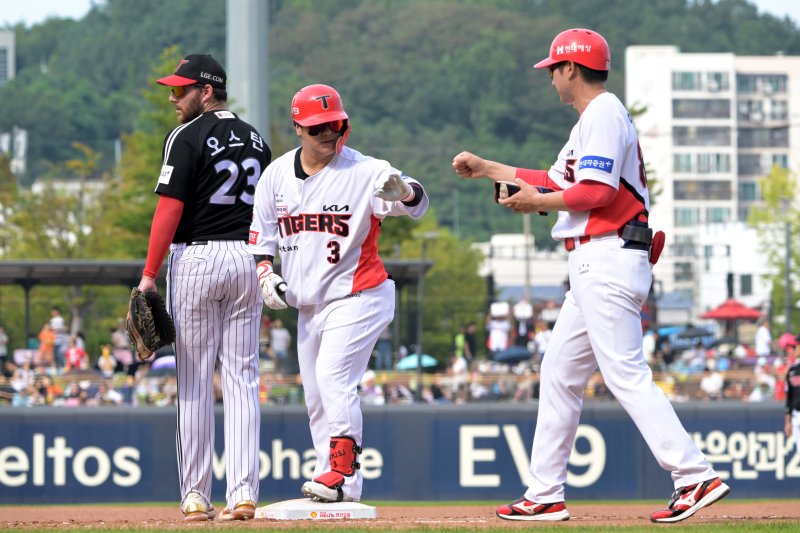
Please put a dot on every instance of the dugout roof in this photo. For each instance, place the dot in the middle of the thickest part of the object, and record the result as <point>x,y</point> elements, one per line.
<point>77,272</point>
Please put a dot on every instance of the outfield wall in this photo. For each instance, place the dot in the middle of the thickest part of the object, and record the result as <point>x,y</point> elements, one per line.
<point>469,452</point>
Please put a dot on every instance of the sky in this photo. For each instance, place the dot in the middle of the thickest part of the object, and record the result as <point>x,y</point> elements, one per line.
<point>33,12</point>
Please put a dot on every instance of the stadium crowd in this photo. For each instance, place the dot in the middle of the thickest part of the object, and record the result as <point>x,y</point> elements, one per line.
<point>58,371</point>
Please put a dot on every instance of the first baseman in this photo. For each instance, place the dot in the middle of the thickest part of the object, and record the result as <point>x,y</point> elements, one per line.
<point>320,206</point>
<point>212,162</point>
<point>603,206</point>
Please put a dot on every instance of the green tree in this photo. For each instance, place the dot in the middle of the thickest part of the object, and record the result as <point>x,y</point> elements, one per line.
<point>779,190</point>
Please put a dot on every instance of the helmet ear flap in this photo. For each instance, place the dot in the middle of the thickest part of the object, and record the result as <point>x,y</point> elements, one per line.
<point>343,138</point>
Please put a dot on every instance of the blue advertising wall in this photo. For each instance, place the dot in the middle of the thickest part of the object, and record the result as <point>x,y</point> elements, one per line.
<point>478,452</point>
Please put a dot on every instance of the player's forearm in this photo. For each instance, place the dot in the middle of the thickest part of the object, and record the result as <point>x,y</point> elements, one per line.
<point>499,172</point>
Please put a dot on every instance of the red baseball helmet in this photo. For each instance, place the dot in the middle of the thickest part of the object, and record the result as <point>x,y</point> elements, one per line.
<point>585,47</point>
<point>317,104</point>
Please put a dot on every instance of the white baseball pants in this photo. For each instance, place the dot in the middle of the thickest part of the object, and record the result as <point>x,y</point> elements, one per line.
<point>334,343</point>
<point>600,326</point>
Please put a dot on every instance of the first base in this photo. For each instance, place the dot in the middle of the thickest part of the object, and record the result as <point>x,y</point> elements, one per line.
<point>307,509</point>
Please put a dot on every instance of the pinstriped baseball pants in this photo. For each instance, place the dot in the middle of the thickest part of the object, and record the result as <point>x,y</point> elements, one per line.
<point>215,301</point>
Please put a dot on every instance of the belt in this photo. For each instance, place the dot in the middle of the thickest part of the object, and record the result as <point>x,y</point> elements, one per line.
<point>203,243</point>
<point>570,243</point>
<point>636,234</point>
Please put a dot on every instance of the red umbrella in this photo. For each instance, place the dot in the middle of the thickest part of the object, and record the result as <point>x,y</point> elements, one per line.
<point>732,310</point>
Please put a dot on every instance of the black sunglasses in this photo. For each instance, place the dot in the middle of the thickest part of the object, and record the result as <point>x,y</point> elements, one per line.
<point>552,68</point>
<point>336,126</point>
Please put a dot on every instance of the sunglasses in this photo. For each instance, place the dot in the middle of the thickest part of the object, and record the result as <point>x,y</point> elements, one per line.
<point>553,68</point>
<point>178,92</point>
<point>336,126</point>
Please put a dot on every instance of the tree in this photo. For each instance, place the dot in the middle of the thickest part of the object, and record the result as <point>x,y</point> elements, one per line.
<point>772,220</point>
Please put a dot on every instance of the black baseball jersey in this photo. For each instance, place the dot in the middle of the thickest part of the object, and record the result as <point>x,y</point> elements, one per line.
<point>793,388</point>
<point>212,164</point>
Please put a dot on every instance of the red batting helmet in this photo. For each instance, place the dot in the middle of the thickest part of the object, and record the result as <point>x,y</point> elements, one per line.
<point>317,104</point>
<point>585,47</point>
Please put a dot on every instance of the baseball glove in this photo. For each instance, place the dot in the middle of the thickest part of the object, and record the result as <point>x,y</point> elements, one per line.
<point>149,325</point>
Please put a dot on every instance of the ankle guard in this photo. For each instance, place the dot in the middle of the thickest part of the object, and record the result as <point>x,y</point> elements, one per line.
<point>344,455</point>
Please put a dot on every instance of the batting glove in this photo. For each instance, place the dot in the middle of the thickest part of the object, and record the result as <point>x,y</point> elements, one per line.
<point>392,188</point>
<point>272,286</point>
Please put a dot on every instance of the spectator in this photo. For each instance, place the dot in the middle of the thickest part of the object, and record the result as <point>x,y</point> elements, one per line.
<point>280,340</point>
<point>459,342</point>
<point>711,384</point>
<point>649,347</point>
<point>498,328</point>
<point>383,349</point>
<point>470,343</point>
<point>458,371</point>
<point>3,346</point>
<point>107,395</point>
<point>264,347</point>
<point>523,314</point>
<point>541,338</point>
<point>370,392</point>
<point>49,391</point>
<point>106,364</point>
<point>61,338</point>
<point>75,358</point>
<point>47,340</point>
<point>764,345</point>
<point>120,345</point>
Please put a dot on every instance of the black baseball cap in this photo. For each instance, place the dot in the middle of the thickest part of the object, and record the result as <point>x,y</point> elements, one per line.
<point>196,68</point>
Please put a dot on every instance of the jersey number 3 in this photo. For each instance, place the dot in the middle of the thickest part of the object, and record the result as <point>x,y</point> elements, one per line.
<point>252,171</point>
<point>335,248</point>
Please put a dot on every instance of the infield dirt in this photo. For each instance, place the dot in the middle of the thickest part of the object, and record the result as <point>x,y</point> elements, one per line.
<point>392,517</point>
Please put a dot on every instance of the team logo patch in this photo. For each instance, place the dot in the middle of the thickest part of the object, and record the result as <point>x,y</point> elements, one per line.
<point>224,114</point>
<point>253,237</point>
<point>166,174</point>
<point>282,209</point>
<point>595,161</point>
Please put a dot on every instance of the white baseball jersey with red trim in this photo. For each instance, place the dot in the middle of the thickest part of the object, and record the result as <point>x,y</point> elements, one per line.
<point>603,146</point>
<point>326,226</point>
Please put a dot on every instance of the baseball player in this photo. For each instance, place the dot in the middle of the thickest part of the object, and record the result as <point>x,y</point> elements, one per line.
<point>321,206</point>
<point>212,162</point>
<point>792,425</point>
<point>602,201</point>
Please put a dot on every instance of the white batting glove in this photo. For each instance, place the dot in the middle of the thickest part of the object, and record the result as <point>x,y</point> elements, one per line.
<point>272,286</point>
<point>392,188</point>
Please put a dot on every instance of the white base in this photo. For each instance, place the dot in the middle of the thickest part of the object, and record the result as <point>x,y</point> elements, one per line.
<point>306,509</point>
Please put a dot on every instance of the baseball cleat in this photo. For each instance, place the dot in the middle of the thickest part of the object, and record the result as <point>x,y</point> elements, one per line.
<point>524,509</point>
<point>195,508</point>
<point>686,501</point>
<point>244,510</point>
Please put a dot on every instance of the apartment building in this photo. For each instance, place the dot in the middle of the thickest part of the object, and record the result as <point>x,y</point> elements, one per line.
<point>713,125</point>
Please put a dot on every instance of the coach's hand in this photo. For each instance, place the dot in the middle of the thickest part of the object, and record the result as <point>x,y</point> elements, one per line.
<point>392,188</point>
<point>272,286</point>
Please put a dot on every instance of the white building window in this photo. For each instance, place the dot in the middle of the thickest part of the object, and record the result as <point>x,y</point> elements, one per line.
<point>717,215</point>
<point>686,81</point>
<point>748,191</point>
<point>686,216</point>
<point>682,162</point>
